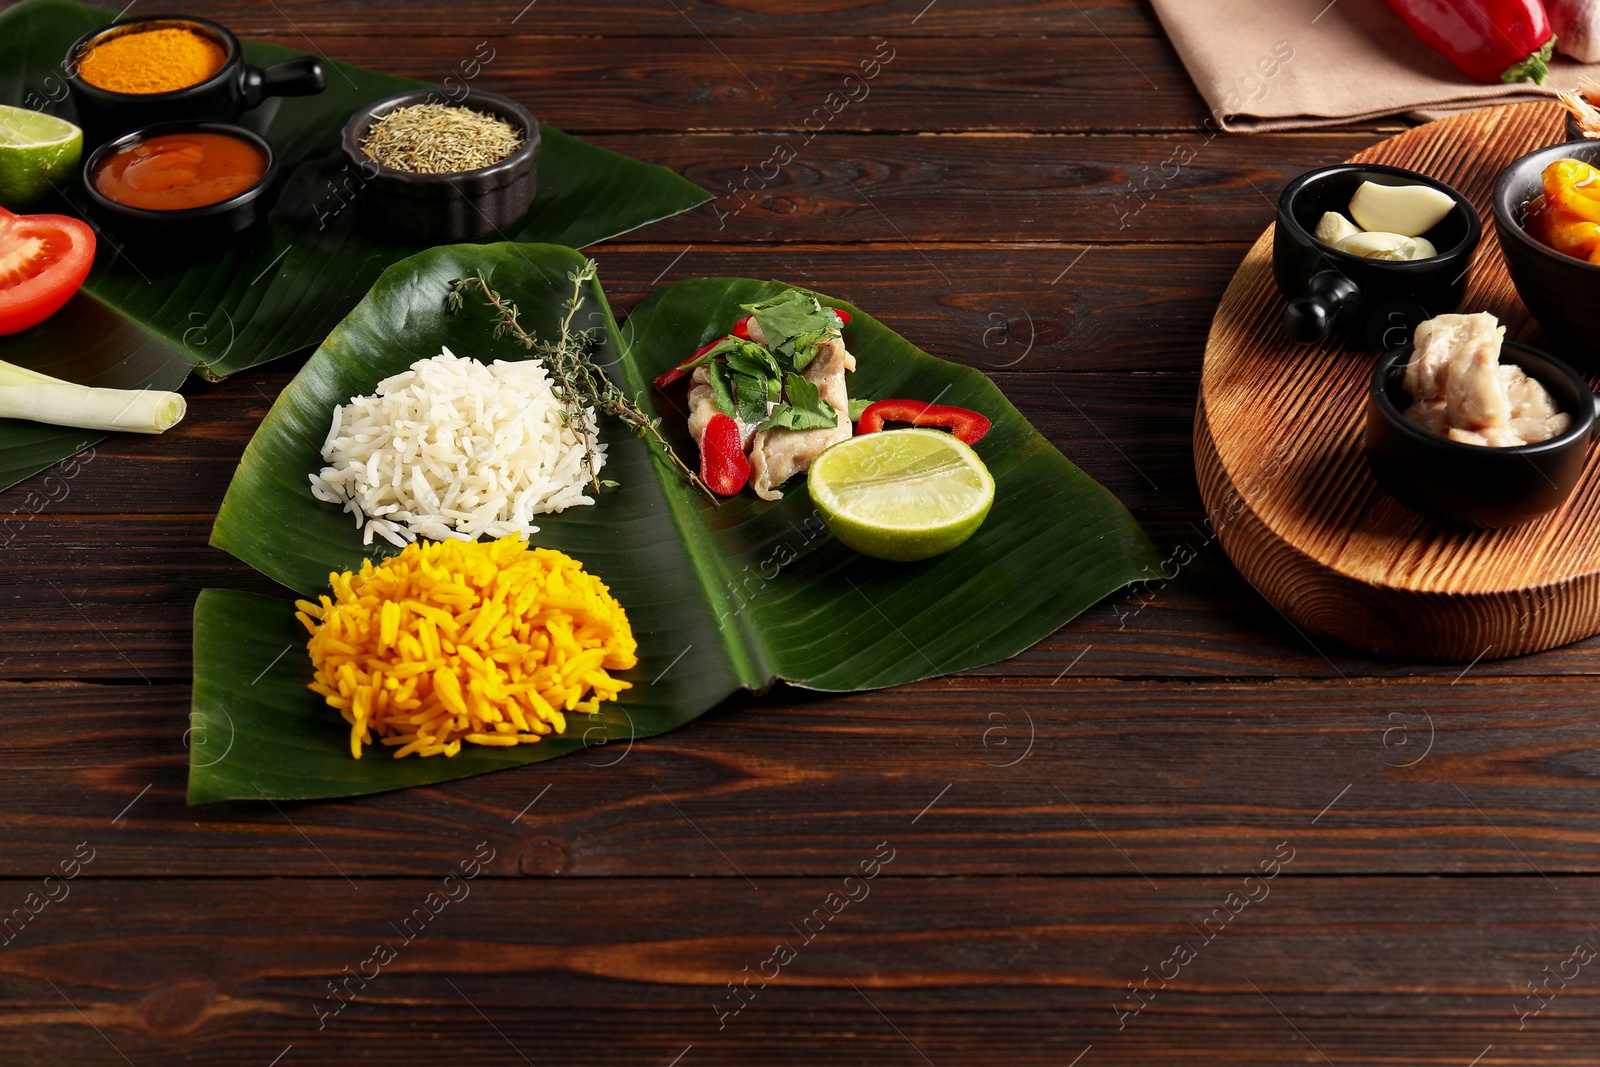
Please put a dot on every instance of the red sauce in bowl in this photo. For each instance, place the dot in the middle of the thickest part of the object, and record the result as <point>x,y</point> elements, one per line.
<point>175,171</point>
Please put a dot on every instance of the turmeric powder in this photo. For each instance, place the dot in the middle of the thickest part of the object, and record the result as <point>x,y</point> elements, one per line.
<point>151,61</point>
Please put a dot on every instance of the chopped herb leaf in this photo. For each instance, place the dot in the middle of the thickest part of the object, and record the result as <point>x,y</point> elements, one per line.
<point>793,323</point>
<point>805,409</point>
<point>857,407</point>
<point>722,390</point>
<point>751,392</point>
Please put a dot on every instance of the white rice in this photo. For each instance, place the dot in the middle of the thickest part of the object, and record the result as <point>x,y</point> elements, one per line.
<point>455,448</point>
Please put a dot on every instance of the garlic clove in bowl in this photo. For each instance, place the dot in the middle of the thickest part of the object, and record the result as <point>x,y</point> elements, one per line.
<point>1408,210</point>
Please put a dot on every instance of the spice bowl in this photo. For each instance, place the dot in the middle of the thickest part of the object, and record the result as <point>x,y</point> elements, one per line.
<point>1379,301</point>
<point>179,232</point>
<point>442,208</point>
<point>1477,485</point>
<point>1559,289</point>
<point>222,96</point>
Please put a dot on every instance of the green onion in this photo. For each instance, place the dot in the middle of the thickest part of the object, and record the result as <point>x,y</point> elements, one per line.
<point>27,394</point>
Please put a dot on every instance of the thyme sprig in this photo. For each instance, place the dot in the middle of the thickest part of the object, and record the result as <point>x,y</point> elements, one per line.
<point>576,381</point>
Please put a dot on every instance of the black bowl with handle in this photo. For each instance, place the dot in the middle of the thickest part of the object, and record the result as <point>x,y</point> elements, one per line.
<point>1378,301</point>
<point>235,88</point>
<point>1477,485</point>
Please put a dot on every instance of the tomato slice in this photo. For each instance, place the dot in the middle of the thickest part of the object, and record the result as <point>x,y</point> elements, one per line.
<point>43,261</point>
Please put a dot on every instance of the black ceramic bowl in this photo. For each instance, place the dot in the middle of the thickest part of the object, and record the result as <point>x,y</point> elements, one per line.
<point>443,208</point>
<point>1562,292</point>
<point>1476,485</point>
<point>1380,302</point>
<point>173,234</point>
<point>229,93</point>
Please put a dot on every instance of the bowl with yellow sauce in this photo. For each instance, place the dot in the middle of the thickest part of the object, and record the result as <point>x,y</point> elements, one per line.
<point>189,183</point>
<point>166,68</point>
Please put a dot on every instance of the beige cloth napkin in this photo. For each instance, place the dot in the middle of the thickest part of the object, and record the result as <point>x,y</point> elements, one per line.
<point>1298,64</point>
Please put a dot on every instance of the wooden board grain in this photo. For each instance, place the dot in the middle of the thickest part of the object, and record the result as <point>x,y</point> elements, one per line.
<point>734,19</point>
<point>1279,458</point>
<point>1067,776</point>
<point>1169,189</point>
<point>1019,971</point>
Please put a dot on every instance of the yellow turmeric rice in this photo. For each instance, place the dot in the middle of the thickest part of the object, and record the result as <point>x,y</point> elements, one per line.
<point>488,642</point>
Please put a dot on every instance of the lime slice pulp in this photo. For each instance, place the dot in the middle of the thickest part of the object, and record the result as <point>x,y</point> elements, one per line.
<point>901,494</point>
<point>36,152</point>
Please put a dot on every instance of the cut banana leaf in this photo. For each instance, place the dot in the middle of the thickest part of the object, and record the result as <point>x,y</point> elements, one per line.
<point>284,286</point>
<point>720,597</point>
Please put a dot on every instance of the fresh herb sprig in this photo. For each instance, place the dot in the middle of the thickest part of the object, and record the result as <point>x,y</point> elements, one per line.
<point>576,381</point>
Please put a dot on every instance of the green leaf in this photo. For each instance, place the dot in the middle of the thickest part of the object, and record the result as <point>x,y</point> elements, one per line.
<point>793,322</point>
<point>857,407</point>
<point>752,394</point>
<point>803,409</point>
<point>720,597</point>
<point>282,287</point>
<point>722,389</point>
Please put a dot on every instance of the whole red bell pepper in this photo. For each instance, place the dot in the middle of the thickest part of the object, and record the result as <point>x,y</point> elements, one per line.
<point>723,465</point>
<point>964,423</point>
<point>1490,41</point>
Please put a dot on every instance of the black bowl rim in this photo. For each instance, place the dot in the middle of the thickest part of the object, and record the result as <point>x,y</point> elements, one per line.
<point>221,207</point>
<point>1504,217</point>
<point>358,124</point>
<point>1465,247</point>
<point>235,52</point>
<point>1582,422</point>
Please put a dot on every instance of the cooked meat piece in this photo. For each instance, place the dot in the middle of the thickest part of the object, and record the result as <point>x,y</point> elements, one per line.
<point>1434,349</point>
<point>703,405</point>
<point>1430,415</point>
<point>1462,391</point>
<point>778,455</point>
<point>1475,391</point>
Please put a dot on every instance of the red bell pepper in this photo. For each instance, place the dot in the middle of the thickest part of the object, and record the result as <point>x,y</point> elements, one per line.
<point>1490,41</point>
<point>966,424</point>
<point>668,377</point>
<point>723,465</point>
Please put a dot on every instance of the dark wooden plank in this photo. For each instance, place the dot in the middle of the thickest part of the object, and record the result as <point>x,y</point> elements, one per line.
<point>1170,188</point>
<point>766,83</point>
<point>1073,776</point>
<point>630,18</point>
<point>1017,971</point>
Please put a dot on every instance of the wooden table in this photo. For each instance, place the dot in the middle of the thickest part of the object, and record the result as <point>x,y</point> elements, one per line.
<point>1045,833</point>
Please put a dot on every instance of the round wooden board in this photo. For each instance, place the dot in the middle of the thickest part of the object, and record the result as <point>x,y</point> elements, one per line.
<point>1279,437</point>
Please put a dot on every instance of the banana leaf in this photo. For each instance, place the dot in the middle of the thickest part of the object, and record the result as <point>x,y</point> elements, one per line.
<point>282,287</point>
<point>720,597</point>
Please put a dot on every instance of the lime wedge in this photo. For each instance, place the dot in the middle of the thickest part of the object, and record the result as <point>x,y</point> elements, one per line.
<point>901,494</point>
<point>36,152</point>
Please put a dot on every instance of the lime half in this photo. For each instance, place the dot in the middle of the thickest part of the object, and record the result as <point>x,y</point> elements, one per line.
<point>36,152</point>
<point>901,494</point>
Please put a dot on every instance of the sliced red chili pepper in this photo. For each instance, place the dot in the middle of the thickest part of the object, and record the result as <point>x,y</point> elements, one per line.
<point>723,465</point>
<point>668,377</point>
<point>967,425</point>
